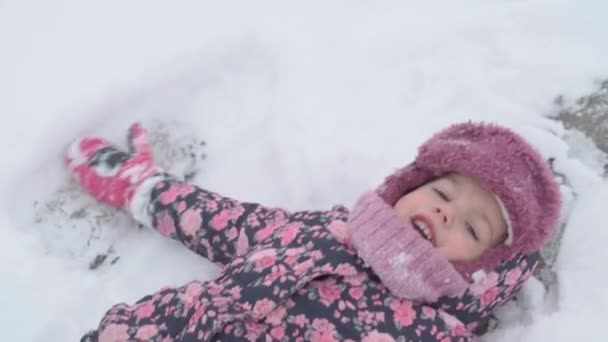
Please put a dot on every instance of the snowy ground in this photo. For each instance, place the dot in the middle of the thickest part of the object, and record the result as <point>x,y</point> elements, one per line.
<point>302,106</point>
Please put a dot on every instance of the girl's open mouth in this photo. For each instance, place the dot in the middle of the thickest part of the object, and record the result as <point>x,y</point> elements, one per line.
<point>424,228</point>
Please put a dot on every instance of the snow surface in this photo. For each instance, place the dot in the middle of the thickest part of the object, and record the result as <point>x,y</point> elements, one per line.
<point>303,105</point>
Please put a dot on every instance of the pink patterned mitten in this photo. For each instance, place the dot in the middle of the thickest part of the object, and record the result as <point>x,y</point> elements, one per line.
<point>109,174</point>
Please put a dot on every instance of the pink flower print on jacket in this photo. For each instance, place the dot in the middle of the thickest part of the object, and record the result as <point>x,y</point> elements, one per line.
<point>485,287</point>
<point>289,233</point>
<point>268,230</point>
<point>329,292</point>
<point>190,222</point>
<point>323,331</point>
<point>376,336</point>
<point>220,221</point>
<point>489,296</point>
<point>513,276</point>
<point>145,310</point>
<point>253,329</point>
<point>165,224</point>
<point>242,244</point>
<point>115,332</point>
<point>484,282</point>
<point>232,234</point>
<point>277,333</point>
<point>169,196</point>
<point>456,326</point>
<point>345,270</point>
<point>264,258</point>
<point>428,312</point>
<point>356,292</point>
<point>146,332</point>
<point>404,314</point>
<point>262,307</point>
<point>181,206</point>
<point>276,316</point>
<point>338,229</point>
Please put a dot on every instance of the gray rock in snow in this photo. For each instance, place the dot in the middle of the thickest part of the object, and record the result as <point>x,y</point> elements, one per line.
<point>589,115</point>
<point>544,272</point>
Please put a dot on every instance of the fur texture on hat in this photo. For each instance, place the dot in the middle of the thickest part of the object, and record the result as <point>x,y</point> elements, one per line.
<point>504,164</point>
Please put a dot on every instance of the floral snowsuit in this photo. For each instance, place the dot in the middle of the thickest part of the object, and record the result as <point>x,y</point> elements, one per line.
<point>288,277</point>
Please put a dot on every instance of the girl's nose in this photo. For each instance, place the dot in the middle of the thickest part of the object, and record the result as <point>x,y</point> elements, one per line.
<point>445,213</point>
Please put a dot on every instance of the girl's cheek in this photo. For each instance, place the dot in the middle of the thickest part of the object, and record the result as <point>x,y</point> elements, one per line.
<point>456,249</point>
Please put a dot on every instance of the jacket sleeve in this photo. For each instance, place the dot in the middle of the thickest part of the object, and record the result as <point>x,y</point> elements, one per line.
<point>164,315</point>
<point>216,227</point>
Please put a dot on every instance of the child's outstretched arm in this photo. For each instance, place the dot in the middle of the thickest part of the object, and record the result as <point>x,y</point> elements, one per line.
<point>214,226</point>
<point>211,225</point>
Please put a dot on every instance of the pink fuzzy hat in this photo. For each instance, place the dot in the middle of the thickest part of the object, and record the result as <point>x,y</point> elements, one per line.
<point>504,164</point>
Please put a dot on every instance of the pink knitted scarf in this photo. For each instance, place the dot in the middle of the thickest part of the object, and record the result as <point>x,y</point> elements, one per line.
<point>406,263</point>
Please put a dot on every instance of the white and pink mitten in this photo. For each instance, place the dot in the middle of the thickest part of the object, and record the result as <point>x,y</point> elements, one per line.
<point>112,176</point>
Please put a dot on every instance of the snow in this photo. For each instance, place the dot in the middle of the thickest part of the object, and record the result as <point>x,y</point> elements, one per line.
<point>303,105</point>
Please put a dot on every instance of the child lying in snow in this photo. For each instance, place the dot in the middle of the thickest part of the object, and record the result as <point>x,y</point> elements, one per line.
<point>426,257</point>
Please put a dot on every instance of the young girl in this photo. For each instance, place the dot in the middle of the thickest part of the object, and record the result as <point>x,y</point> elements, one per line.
<point>425,257</point>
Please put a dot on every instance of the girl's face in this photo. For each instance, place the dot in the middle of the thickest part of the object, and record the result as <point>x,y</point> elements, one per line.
<point>457,215</point>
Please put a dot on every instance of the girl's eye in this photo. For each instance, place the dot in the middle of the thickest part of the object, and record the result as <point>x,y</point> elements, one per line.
<point>471,231</point>
<point>441,194</point>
